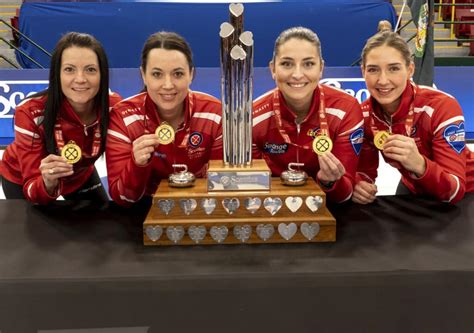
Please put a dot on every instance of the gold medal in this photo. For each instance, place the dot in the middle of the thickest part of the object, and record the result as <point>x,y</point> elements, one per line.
<point>165,134</point>
<point>71,152</point>
<point>380,138</point>
<point>322,144</point>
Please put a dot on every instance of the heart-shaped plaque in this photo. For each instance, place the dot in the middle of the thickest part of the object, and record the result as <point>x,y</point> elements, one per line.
<point>252,204</point>
<point>310,230</point>
<point>236,9</point>
<point>175,234</point>
<point>231,205</point>
<point>265,231</point>
<point>219,233</point>
<point>272,205</point>
<point>165,205</point>
<point>287,231</point>
<point>293,203</point>
<point>187,205</point>
<point>208,205</point>
<point>197,233</point>
<point>153,232</point>
<point>242,232</point>
<point>314,202</point>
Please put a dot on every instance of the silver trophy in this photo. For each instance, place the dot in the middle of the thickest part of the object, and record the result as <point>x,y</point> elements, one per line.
<point>238,171</point>
<point>182,178</point>
<point>294,177</point>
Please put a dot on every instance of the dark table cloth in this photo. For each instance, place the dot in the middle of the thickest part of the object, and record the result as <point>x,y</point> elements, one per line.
<point>402,264</point>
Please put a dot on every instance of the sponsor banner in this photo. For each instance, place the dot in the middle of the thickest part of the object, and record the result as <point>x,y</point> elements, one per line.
<point>15,85</point>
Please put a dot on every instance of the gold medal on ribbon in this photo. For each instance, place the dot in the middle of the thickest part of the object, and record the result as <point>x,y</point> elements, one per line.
<point>165,134</point>
<point>71,152</point>
<point>380,138</point>
<point>322,144</point>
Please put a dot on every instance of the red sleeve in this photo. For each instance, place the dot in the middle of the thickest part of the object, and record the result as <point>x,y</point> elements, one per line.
<point>369,155</point>
<point>127,181</point>
<point>216,150</point>
<point>470,171</point>
<point>348,135</point>
<point>114,98</point>
<point>30,148</point>
<point>445,175</point>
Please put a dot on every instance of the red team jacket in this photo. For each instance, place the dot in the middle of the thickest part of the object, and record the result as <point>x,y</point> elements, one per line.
<point>198,140</point>
<point>438,130</point>
<point>21,159</point>
<point>345,124</point>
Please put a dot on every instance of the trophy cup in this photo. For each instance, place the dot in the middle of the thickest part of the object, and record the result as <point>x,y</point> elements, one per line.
<point>239,202</point>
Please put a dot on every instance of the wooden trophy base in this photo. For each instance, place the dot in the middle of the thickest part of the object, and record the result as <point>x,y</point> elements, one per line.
<point>195,216</point>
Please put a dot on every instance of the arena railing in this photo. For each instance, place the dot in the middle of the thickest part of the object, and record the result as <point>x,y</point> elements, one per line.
<point>25,37</point>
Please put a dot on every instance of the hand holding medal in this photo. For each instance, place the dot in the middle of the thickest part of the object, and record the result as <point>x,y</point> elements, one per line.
<point>52,168</point>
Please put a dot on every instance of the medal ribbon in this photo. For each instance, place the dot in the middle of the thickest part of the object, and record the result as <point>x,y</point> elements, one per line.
<point>408,120</point>
<point>188,111</point>
<point>322,117</point>
<point>58,135</point>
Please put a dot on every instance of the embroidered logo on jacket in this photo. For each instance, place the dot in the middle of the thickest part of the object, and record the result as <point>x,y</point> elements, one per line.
<point>314,132</point>
<point>454,136</point>
<point>275,148</point>
<point>195,139</point>
<point>357,138</point>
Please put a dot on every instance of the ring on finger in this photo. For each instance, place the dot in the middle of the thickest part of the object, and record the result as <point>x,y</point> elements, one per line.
<point>51,171</point>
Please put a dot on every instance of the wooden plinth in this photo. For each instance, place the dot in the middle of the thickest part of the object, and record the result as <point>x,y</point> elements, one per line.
<point>220,217</point>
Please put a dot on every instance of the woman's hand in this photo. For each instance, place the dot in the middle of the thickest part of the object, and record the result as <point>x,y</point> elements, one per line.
<point>364,192</point>
<point>330,168</point>
<point>143,148</point>
<point>403,149</point>
<point>52,168</point>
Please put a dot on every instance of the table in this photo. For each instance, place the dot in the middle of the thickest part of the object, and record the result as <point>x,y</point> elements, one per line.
<point>402,264</point>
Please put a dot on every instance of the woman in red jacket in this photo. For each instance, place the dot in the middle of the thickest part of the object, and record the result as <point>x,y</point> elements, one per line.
<point>136,158</point>
<point>419,130</point>
<point>60,132</point>
<point>290,119</point>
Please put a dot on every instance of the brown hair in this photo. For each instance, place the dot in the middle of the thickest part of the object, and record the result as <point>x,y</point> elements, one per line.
<point>298,33</point>
<point>168,41</point>
<point>388,38</point>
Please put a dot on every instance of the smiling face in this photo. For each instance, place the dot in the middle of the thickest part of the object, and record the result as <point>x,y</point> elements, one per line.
<point>167,78</point>
<point>297,69</point>
<point>386,74</point>
<point>80,78</point>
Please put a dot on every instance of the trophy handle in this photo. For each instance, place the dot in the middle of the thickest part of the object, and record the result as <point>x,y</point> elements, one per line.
<point>180,166</point>
<point>291,165</point>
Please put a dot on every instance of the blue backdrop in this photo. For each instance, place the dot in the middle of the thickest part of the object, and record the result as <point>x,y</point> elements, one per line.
<point>15,85</point>
<point>343,26</point>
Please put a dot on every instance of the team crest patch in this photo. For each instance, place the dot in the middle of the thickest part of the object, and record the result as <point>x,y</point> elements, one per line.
<point>275,148</point>
<point>357,138</point>
<point>195,139</point>
<point>455,137</point>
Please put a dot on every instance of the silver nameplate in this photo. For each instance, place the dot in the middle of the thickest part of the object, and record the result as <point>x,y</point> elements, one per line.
<point>238,181</point>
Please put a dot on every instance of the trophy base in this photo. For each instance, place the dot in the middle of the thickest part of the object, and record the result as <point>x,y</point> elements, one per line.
<point>198,217</point>
<point>255,177</point>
